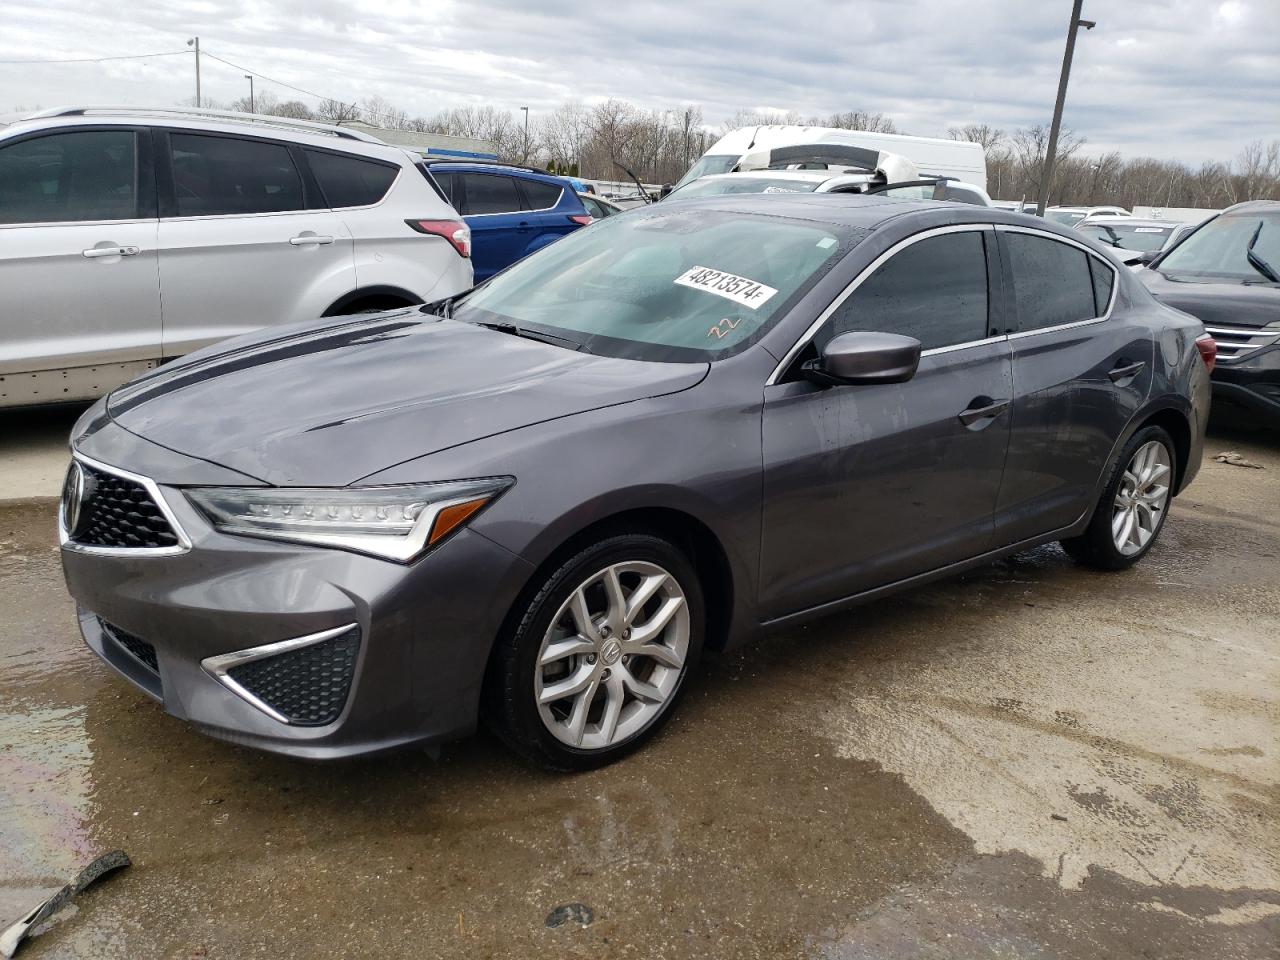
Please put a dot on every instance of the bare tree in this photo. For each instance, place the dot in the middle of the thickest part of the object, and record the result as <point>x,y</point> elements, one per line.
<point>988,137</point>
<point>859,120</point>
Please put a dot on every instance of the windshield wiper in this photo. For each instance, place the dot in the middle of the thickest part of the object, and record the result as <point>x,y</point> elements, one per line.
<point>442,308</point>
<point>526,333</point>
<point>1257,262</point>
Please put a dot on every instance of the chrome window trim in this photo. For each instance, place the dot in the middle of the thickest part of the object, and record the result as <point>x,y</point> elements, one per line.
<point>218,666</point>
<point>1071,242</point>
<point>153,489</point>
<point>789,357</point>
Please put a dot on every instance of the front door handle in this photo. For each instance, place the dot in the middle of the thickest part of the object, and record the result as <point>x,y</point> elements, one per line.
<point>982,409</point>
<point>305,238</point>
<point>95,252</point>
<point>1125,371</point>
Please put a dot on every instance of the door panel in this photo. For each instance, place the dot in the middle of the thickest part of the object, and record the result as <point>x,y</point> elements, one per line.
<point>500,229</point>
<point>239,249</point>
<point>1078,382</point>
<point>78,265</point>
<point>867,485</point>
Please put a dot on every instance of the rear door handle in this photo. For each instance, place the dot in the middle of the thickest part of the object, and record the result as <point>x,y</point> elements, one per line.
<point>980,409</point>
<point>303,239</point>
<point>94,252</point>
<point>1127,370</point>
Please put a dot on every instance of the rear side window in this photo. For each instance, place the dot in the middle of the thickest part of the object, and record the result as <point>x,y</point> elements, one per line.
<point>934,290</point>
<point>1103,279</point>
<point>224,175</point>
<point>446,181</point>
<point>1053,283</point>
<point>541,195</point>
<point>490,194</point>
<point>80,176</point>
<point>348,181</point>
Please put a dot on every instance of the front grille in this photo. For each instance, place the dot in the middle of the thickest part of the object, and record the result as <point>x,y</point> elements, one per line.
<point>1236,343</point>
<point>115,512</point>
<point>136,647</point>
<point>307,686</point>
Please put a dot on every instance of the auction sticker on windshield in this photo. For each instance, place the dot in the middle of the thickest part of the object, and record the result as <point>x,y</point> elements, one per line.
<point>743,290</point>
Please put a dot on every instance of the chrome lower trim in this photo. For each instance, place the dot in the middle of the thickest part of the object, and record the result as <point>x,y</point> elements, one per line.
<point>153,490</point>
<point>218,666</point>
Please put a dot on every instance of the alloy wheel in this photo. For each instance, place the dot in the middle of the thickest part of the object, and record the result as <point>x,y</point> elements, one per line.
<point>613,656</point>
<point>1141,498</point>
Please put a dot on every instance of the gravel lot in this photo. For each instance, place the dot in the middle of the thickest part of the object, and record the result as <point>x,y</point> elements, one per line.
<point>1032,760</point>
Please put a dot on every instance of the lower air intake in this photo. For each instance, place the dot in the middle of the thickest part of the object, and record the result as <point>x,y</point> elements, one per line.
<point>307,686</point>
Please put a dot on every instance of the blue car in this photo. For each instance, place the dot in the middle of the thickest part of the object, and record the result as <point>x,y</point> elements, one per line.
<point>512,211</point>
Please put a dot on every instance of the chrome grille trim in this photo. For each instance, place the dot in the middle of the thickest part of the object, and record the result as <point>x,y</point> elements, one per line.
<point>1236,343</point>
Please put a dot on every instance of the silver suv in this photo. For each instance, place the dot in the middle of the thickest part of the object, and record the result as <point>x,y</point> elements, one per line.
<point>129,236</point>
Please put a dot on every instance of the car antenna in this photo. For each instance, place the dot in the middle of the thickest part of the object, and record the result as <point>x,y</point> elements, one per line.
<point>640,186</point>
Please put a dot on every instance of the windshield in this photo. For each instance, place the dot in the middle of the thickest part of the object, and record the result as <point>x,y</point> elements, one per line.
<point>666,283</point>
<point>1220,250</point>
<point>1064,217</point>
<point>744,184</point>
<point>708,165</point>
<point>1128,237</point>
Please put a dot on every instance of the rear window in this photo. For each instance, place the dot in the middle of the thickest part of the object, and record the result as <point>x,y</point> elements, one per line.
<point>664,283</point>
<point>224,175</point>
<point>541,195</point>
<point>1127,237</point>
<point>1052,281</point>
<point>742,184</point>
<point>348,181</point>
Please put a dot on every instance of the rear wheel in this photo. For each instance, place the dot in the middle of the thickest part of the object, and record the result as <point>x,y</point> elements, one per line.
<point>599,658</point>
<point>373,304</point>
<point>1133,506</point>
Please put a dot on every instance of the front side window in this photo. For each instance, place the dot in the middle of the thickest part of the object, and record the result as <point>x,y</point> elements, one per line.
<point>1243,247</point>
<point>541,196</point>
<point>934,290</point>
<point>1052,281</point>
<point>83,175</point>
<point>663,283</point>
<point>348,181</point>
<point>214,176</point>
<point>487,193</point>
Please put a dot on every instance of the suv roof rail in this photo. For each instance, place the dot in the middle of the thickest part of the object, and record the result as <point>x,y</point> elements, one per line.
<point>442,161</point>
<point>315,126</point>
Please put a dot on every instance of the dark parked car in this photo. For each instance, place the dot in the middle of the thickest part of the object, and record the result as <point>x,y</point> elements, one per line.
<point>540,503</point>
<point>599,207</point>
<point>512,211</point>
<point>1227,273</point>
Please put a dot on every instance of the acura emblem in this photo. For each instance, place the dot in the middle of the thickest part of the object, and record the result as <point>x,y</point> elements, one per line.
<point>72,495</point>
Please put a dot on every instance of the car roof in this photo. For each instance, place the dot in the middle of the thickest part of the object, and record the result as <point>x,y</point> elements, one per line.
<point>463,166</point>
<point>1254,206</point>
<point>282,128</point>
<point>858,210</point>
<point>1105,220</point>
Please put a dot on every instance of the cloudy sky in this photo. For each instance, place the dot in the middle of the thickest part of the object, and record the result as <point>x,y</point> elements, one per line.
<point>1185,79</point>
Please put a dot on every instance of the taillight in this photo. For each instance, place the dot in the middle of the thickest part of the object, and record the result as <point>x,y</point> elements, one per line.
<point>582,219</point>
<point>455,231</point>
<point>1208,348</point>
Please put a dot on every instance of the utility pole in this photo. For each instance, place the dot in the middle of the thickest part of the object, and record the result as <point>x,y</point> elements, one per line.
<point>525,157</point>
<point>1046,178</point>
<point>195,42</point>
<point>249,77</point>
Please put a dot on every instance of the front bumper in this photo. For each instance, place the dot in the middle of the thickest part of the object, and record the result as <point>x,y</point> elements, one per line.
<point>425,630</point>
<point>1252,384</point>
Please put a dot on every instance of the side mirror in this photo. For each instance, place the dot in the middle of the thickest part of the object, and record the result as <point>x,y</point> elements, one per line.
<point>1148,256</point>
<point>664,191</point>
<point>865,358</point>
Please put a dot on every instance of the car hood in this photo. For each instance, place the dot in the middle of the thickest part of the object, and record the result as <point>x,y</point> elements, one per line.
<point>1217,304</point>
<point>328,403</point>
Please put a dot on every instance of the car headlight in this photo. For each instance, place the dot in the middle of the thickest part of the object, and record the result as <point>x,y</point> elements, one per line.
<point>393,522</point>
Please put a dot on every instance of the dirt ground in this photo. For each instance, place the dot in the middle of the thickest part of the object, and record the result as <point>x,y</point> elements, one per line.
<point>1032,761</point>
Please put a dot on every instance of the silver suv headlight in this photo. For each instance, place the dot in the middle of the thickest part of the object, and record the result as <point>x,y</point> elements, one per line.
<point>393,522</point>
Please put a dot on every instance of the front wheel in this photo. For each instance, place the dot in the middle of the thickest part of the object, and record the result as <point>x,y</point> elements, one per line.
<point>1133,506</point>
<point>599,658</point>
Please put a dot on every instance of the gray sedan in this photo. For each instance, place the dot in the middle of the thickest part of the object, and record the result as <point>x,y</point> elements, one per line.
<point>538,504</point>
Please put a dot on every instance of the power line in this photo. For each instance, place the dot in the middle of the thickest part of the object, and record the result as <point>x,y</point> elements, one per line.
<point>279,83</point>
<point>131,56</point>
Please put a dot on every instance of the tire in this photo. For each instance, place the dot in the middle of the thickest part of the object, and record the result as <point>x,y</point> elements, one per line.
<point>1109,543</point>
<point>620,688</point>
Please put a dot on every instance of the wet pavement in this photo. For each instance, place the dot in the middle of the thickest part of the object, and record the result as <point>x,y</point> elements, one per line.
<point>1032,760</point>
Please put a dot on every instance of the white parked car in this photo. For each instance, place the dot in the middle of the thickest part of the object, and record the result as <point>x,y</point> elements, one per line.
<point>1070,216</point>
<point>957,159</point>
<point>830,181</point>
<point>130,236</point>
<point>1133,239</point>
